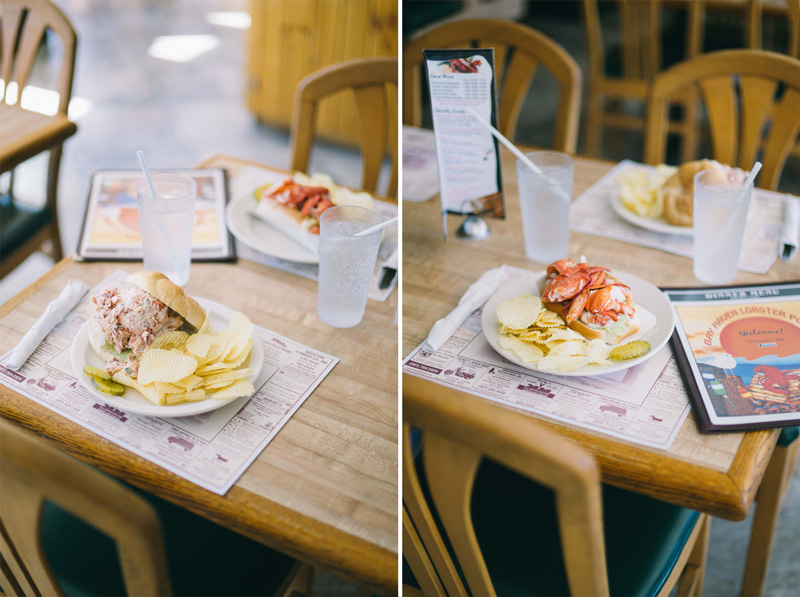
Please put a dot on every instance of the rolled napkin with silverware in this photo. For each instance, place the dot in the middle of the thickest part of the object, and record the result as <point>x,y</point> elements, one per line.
<point>475,296</point>
<point>55,312</point>
<point>791,227</point>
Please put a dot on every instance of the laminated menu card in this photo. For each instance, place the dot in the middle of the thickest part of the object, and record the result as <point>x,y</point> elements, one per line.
<point>738,350</point>
<point>467,154</point>
<point>110,230</point>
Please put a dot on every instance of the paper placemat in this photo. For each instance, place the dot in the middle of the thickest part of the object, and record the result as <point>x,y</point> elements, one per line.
<point>211,450</point>
<point>592,213</point>
<point>250,178</point>
<point>645,404</point>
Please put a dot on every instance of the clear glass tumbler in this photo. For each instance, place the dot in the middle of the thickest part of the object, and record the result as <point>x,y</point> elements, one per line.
<point>166,222</point>
<point>720,216</point>
<point>545,201</point>
<point>346,263</point>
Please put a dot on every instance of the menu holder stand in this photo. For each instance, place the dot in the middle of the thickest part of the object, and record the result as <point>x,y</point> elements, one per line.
<point>460,80</point>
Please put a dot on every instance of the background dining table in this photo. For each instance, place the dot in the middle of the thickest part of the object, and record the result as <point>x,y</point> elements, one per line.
<point>715,473</point>
<point>324,490</point>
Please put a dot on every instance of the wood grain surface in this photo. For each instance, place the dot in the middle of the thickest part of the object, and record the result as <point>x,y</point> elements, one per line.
<point>325,489</point>
<point>715,473</point>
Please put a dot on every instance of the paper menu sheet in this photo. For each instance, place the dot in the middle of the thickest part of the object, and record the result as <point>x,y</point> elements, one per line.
<point>592,213</point>
<point>211,450</point>
<point>645,404</point>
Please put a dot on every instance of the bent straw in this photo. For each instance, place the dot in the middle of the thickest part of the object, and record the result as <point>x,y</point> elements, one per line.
<point>161,231</point>
<point>375,228</point>
<point>522,157</point>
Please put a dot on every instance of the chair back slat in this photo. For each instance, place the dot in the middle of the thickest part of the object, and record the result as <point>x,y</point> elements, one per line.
<point>451,469</point>
<point>757,99</point>
<point>783,135</point>
<point>720,98</point>
<point>34,473</point>
<point>422,519</point>
<point>747,118</point>
<point>458,432</point>
<point>516,47</point>
<point>418,559</point>
<point>373,81</point>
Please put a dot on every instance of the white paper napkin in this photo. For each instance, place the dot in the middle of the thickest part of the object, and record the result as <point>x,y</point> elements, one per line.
<point>475,296</point>
<point>791,225</point>
<point>56,310</point>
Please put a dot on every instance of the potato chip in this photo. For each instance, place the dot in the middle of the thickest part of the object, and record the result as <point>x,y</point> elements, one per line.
<point>570,348</point>
<point>165,365</point>
<point>205,328</point>
<point>563,362</point>
<point>547,318</point>
<point>193,396</point>
<point>174,339</point>
<point>520,311</point>
<point>189,383</point>
<point>149,391</point>
<point>598,352</point>
<point>527,353</point>
<point>199,344</point>
<point>237,389</point>
<point>225,378</point>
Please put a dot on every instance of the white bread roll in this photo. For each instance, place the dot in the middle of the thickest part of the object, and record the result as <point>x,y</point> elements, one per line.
<point>171,295</point>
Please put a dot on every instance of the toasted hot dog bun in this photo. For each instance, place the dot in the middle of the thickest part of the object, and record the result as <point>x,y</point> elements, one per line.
<point>592,332</point>
<point>288,222</point>
<point>171,295</point>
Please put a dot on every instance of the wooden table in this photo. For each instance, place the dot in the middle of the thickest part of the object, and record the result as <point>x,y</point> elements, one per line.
<point>718,474</point>
<point>325,489</point>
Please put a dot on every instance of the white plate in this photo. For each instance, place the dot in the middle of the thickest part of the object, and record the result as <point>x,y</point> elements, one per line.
<point>646,295</point>
<point>654,224</point>
<point>132,401</point>
<point>262,237</point>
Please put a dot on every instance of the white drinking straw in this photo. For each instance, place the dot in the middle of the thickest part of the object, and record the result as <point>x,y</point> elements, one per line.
<point>161,231</point>
<point>506,142</point>
<point>375,228</point>
<point>523,158</point>
<point>752,176</point>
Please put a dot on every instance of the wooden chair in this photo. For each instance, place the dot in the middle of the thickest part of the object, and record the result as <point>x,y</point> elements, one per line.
<point>752,101</point>
<point>518,52</point>
<point>24,25</point>
<point>754,33</point>
<point>63,524</point>
<point>505,506</point>
<point>783,465</point>
<point>373,82</point>
<point>617,97</point>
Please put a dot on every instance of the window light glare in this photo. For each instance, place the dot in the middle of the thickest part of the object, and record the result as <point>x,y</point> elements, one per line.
<point>182,48</point>
<point>44,101</point>
<point>234,20</point>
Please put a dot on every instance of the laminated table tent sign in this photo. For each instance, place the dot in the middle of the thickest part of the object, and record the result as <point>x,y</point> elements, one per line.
<point>468,155</point>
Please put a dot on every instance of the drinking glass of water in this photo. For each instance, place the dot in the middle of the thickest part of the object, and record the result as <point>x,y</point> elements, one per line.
<point>166,222</point>
<point>721,203</point>
<point>545,198</point>
<point>346,263</point>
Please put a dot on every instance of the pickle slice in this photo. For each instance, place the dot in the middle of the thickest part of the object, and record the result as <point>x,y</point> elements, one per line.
<point>631,350</point>
<point>109,386</point>
<point>103,382</point>
<point>96,373</point>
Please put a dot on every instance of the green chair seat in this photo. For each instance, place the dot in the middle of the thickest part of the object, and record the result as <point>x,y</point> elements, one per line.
<point>19,223</point>
<point>203,557</point>
<point>516,526</point>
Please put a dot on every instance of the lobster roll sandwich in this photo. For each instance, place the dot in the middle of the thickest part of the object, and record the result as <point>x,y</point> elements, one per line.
<point>591,301</point>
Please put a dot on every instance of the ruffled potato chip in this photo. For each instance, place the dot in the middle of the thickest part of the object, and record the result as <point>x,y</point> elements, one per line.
<point>526,352</point>
<point>165,365</point>
<point>520,311</point>
<point>237,389</point>
<point>174,339</point>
